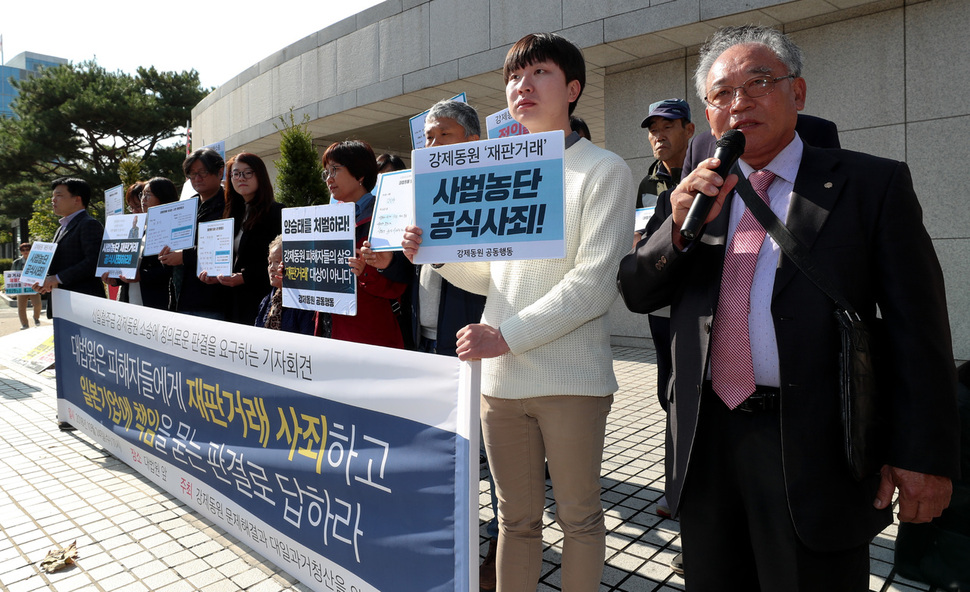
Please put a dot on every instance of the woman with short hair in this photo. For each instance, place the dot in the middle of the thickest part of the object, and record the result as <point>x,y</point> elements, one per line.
<point>350,170</point>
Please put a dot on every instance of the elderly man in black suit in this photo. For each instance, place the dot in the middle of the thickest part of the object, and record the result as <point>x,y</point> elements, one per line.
<point>765,495</point>
<point>78,242</point>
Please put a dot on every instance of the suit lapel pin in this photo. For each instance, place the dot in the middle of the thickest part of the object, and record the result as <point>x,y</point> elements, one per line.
<point>828,185</point>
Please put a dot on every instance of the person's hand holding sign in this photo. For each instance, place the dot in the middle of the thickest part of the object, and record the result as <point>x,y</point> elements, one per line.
<point>376,259</point>
<point>357,264</point>
<point>411,242</point>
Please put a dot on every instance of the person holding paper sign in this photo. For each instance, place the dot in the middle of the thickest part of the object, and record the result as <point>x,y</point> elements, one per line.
<point>258,219</point>
<point>272,314</point>
<point>78,242</point>
<point>438,309</point>
<point>544,339</point>
<point>22,299</point>
<point>351,173</point>
<point>204,169</point>
<point>155,279</point>
<point>151,285</point>
<point>133,201</point>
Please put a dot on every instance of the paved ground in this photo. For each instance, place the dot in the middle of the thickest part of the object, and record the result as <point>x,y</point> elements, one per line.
<point>58,487</point>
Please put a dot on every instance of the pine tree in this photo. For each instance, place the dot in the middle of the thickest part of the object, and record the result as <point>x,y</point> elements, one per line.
<point>299,178</point>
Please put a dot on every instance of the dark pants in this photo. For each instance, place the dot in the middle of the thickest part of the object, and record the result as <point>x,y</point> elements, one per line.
<point>660,332</point>
<point>737,532</point>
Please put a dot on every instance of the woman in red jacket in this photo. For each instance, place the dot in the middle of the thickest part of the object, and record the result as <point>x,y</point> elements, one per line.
<point>350,169</point>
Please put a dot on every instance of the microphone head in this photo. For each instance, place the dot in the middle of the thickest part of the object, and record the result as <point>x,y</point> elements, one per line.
<point>732,140</point>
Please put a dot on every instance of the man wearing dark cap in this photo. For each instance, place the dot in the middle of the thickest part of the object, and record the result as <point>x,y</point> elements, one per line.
<point>668,122</point>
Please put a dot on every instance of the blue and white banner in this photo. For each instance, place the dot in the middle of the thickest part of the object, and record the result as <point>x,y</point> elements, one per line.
<point>491,200</point>
<point>343,476</point>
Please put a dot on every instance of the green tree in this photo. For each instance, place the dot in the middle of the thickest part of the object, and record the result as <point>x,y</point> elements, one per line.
<point>17,199</point>
<point>299,177</point>
<point>81,120</point>
<point>43,224</point>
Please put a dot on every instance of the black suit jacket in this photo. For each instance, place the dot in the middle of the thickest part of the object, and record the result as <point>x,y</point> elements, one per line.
<point>76,257</point>
<point>862,223</point>
<point>250,261</point>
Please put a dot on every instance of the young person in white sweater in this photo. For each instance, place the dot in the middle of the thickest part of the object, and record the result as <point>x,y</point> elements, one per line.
<point>547,371</point>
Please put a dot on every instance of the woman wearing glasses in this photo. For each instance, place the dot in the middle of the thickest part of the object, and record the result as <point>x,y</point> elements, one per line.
<point>257,219</point>
<point>350,170</point>
<point>154,279</point>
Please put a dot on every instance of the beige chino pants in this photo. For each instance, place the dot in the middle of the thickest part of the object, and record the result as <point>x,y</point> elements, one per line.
<point>519,435</point>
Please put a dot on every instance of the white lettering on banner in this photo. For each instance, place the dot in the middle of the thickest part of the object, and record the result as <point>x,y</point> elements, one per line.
<point>305,472</point>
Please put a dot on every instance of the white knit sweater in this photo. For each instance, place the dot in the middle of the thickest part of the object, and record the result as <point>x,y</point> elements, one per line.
<point>552,312</point>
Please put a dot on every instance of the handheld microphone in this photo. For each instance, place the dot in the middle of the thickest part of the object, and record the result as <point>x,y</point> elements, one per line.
<point>728,150</point>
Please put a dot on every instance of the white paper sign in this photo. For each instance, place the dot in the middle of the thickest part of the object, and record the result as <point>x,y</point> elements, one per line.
<point>215,247</point>
<point>120,245</point>
<point>317,242</point>
<point>171,225</point>
<point>37,263</point>
<point>642,216</point>
<point>114,200</point>
<point>12,285</point>
<point>393,210</point>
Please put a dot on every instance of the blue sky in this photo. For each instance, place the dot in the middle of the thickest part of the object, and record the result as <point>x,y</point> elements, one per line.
<point>217,39</point>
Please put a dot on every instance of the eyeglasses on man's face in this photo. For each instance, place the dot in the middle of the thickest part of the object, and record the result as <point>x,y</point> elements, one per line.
<point>721,97</point>
<point>198,175</point>
<point>247,174</point>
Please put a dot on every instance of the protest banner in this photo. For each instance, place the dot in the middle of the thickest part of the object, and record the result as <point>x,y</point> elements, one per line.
<point>491,200</point>
<point>120,245</point>
<point>317,242</point>
<point>37,263</point>
<point>12,285</point>
<point>215,247</point>
<point>345,478</point>
<point>501,125</point>
<point>114,200</point>
<point>416,124</point>
<point>393,210</point>
<point>171,225</point>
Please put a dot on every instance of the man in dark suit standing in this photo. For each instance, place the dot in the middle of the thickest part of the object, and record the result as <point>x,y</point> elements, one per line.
<point>755,461</point>
<point>78,242</point>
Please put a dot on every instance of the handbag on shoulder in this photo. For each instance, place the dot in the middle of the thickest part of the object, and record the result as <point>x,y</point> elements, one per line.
<point>862,422</point>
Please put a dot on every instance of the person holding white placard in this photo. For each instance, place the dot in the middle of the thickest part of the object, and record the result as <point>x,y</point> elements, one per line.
<point>350,169</point>
<point>544,338</point>
<point>258,219</point>
<point>154,278</point>
<point>23,299</point>
<point>78,241</point>
<point>204,169</point>
<point>272,314</point>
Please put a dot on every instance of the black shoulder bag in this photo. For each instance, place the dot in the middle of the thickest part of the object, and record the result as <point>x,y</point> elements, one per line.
<point>858,388</point>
